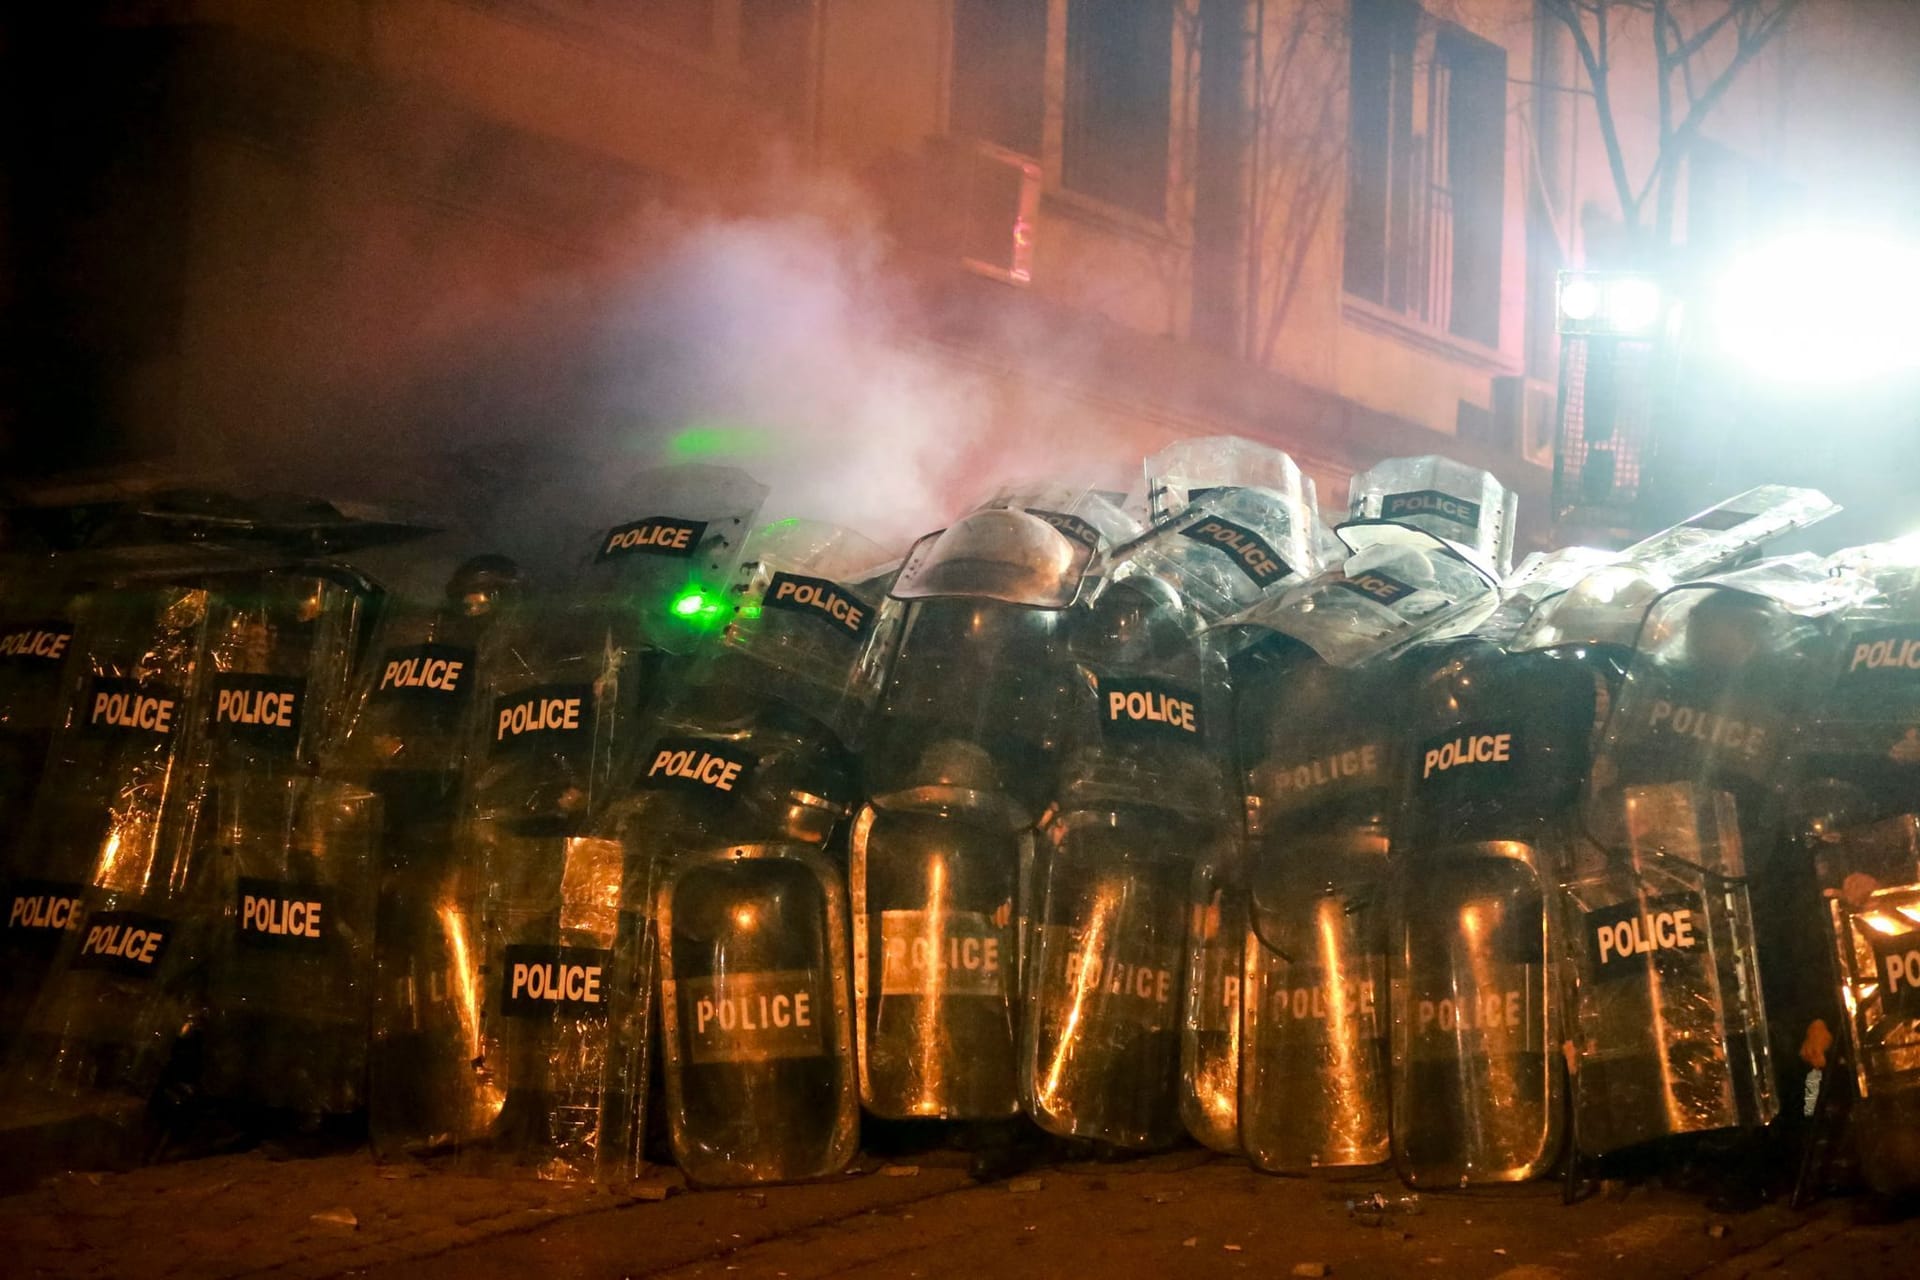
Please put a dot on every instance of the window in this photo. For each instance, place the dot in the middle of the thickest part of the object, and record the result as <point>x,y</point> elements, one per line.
<point>1426,168</point>
<point>999,72</point>
<point>1118,101</point>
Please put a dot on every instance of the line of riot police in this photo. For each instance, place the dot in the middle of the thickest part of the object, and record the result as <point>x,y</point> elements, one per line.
<point>1189,816</point>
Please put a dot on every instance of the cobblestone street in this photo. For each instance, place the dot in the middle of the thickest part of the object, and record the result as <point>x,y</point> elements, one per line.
<point>1182,1214</point>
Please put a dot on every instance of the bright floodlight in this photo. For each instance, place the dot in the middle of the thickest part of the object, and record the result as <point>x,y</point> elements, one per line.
<point>1822,307</point>
<point>1633,304</point>
<point>1579,299</point>
<point>1609,304</point>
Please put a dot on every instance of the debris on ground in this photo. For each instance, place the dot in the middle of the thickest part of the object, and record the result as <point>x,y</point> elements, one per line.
<point>342,1217</point>
<point>1022,1185</point>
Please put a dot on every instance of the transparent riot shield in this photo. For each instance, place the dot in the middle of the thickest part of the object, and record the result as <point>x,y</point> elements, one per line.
<point>1450,500</point>
<point>747,776</point>
<point>286,1018</point>
<point>959,765</point>
<point>36,644</point>
<point>1667,1034</point>
<point>936,983</point>
<point>114,829</point>
<point>757,1038</point>
<point>407,743</point>
<point>1878,945</point>
<point>1140,803</point>
<point>1499,746</point>
<point>1320,752</point>
<point>1856,817</point>
<point>1671,1030</point>
<point>1314,1082</point>
<point>1210,1038</point>
<point>553,1090</point>
<point>290,958</point>
<point>1234,523</point>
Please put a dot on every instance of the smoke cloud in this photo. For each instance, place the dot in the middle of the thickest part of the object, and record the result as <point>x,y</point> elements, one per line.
<point>782,337</point>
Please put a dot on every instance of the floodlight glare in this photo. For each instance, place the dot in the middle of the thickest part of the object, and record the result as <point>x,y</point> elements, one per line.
<point>1579,299</point>
<point>1609,304</point>
<point>1822,307</point>
<point>1633,304</point>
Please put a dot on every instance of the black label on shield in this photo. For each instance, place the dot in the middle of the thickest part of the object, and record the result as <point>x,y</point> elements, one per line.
<point>1145,709</point>
<point>1250,553</point>
<point>128,943</point>
<point>1431,502</point>
<point>1071,525</point>
<point>116,705</point>
<point>41,912</point>
<point>1889,655</point>
<point>698,764</point>
<point>538,981</point>
<point>818,598</point>
<point>1627,940</point>
<point>552,717</point>
<point>1898,956</point>
<point>654,536</point>
<point>258,708</point>
<point>1381,588</point>
<point>37,642</point>
<point>280,916</point>
<point>425,671</point>
<point>1471,761</point>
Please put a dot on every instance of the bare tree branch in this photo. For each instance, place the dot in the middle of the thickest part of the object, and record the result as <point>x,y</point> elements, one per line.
<point>1675,147</point>
<point>1568,12</point>
<point>1699,39</point>
<point>1753,25</point>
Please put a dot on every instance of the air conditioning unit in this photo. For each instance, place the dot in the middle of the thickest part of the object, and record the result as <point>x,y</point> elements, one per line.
<point>1523,416</point>
<point>978,205</point>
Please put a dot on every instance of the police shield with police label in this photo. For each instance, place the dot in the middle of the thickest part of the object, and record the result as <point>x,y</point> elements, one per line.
<point>748,774</point>
<point>960,765</point>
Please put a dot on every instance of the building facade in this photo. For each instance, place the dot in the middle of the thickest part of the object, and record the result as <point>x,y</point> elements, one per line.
<point>1329,224</point>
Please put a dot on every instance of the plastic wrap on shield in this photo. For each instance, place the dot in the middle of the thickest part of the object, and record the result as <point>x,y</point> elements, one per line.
<point>36,644</point>
<point>111,838</point>
<point>1685,801</point>
<point>560,939</point>
<point>1319,747</point>
<point>1388,594</point>
<point>1542,577</point>
<point>1450,500</point>
<point>1233,525</point>
<point>1141,800</point>
<point>286,1015</point>
<point>1423,563</point>
<point>959,764</point>
<point>407,743</point>
<point>1499,745</point>
<point>1605,605</point>
<point>747,776</point>
<point>1856,814</point>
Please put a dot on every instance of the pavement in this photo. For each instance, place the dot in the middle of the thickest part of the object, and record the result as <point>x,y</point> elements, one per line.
<point>1185,1213</point>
